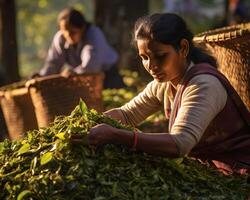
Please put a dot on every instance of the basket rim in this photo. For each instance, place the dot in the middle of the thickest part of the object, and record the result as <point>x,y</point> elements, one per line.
<point>33,82</point>
<point>223,34</point>
<point>13,86</point>
<point>14,92</point>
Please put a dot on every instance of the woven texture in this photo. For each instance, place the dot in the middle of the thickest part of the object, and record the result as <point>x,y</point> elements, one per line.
<point>56,95</point>
<point>18,112</point>
<point>231,47</point>
<point>3,127</point>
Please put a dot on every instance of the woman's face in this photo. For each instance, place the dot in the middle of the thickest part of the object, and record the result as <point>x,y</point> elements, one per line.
<point>162,61</point>
<point>72,34</point>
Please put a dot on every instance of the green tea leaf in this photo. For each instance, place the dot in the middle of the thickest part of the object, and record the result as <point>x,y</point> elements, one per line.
<point>83,106</point>
<point>61,135</point>
<point>24,149</point>
<point>179,160</point>
<point>1,147</point>
<point>30,137</point>
<point>47,157</point>
<point>23,194</point>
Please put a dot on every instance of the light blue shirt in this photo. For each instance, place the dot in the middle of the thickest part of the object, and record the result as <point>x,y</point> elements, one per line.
<point>91,54</point>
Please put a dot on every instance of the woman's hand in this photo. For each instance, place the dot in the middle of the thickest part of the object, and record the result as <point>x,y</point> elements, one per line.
<point>98,135</point>
<point>101,134</point>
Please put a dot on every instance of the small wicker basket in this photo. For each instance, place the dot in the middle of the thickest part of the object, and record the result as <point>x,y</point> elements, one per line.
<point>231,47</point>
<point>57,95</point>
<point>18,112</point>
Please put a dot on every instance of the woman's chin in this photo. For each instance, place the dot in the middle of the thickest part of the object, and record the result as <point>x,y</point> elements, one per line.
<point>161,79</point>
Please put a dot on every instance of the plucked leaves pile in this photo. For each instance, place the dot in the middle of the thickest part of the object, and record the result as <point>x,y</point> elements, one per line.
<point>45,165</point>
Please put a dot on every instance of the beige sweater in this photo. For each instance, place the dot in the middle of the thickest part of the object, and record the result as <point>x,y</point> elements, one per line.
<point>203,98</point>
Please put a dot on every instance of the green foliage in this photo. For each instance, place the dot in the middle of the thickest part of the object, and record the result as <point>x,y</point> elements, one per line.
<point>45,165</point>
<point>114,98</point>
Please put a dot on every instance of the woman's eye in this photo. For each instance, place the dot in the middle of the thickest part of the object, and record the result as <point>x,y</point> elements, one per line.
<point>161,56</point>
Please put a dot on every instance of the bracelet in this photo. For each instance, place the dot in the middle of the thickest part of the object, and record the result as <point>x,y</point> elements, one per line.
<point>135,140</point>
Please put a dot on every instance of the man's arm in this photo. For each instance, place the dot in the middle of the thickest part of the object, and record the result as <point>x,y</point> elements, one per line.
<point>55,58</point>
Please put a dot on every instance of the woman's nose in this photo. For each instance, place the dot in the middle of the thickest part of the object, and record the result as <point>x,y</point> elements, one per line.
<point>152,66</point>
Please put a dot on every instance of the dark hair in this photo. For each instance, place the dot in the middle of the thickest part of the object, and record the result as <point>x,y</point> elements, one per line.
<point>169,28</point>
<point>72,17</point>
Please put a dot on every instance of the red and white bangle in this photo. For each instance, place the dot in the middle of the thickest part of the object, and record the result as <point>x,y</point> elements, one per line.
<point>135,140</point>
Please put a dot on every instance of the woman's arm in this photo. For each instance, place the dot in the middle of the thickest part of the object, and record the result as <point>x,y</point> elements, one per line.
<point>160,144</point>
<point>117,114</point>
<point>149,101</point>
<point>140,107</point>
<point>202,100</point>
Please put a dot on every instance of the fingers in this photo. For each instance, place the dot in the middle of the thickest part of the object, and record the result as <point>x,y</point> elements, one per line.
<point>79,139</point>
<point>97,136</point>
<point>90,140</point>
<point>98,126</point>
<point>77,136</point>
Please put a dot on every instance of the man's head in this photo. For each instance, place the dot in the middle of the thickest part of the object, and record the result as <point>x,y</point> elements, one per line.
<point>72,24</point>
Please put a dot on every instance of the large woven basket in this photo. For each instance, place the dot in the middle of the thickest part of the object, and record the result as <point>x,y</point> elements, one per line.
<point>57,95</point>
<point>18,112</point>
<point>231,47</point>
<point>3,127</point>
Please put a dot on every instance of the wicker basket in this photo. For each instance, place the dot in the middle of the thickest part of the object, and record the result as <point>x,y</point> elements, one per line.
<point>18,112</point>
<point>3,127</point>
<point>231,47</point>
<point>57,95</point>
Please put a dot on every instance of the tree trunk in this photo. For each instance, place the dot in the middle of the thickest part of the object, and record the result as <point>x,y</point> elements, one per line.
<point>116,18</point>
<point>226,11</point>
<point>8,42</point>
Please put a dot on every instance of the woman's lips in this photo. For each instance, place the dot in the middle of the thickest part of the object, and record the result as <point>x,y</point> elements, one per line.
<point>159,75</point>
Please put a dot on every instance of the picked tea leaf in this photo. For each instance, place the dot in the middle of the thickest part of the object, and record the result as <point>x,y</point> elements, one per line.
<point>45,158</point>
<point>61,135</point>
<point>24,148</point>
<point>23,194</point>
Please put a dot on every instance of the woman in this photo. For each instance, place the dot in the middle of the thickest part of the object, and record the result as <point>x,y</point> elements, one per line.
<point>83,47</point>
<point>207,119</point>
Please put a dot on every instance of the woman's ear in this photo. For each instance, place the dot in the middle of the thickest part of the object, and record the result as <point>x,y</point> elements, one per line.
<point>184,48</point>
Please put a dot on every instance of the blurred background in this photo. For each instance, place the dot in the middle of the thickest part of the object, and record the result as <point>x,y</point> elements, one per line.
<point>27,27</point>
